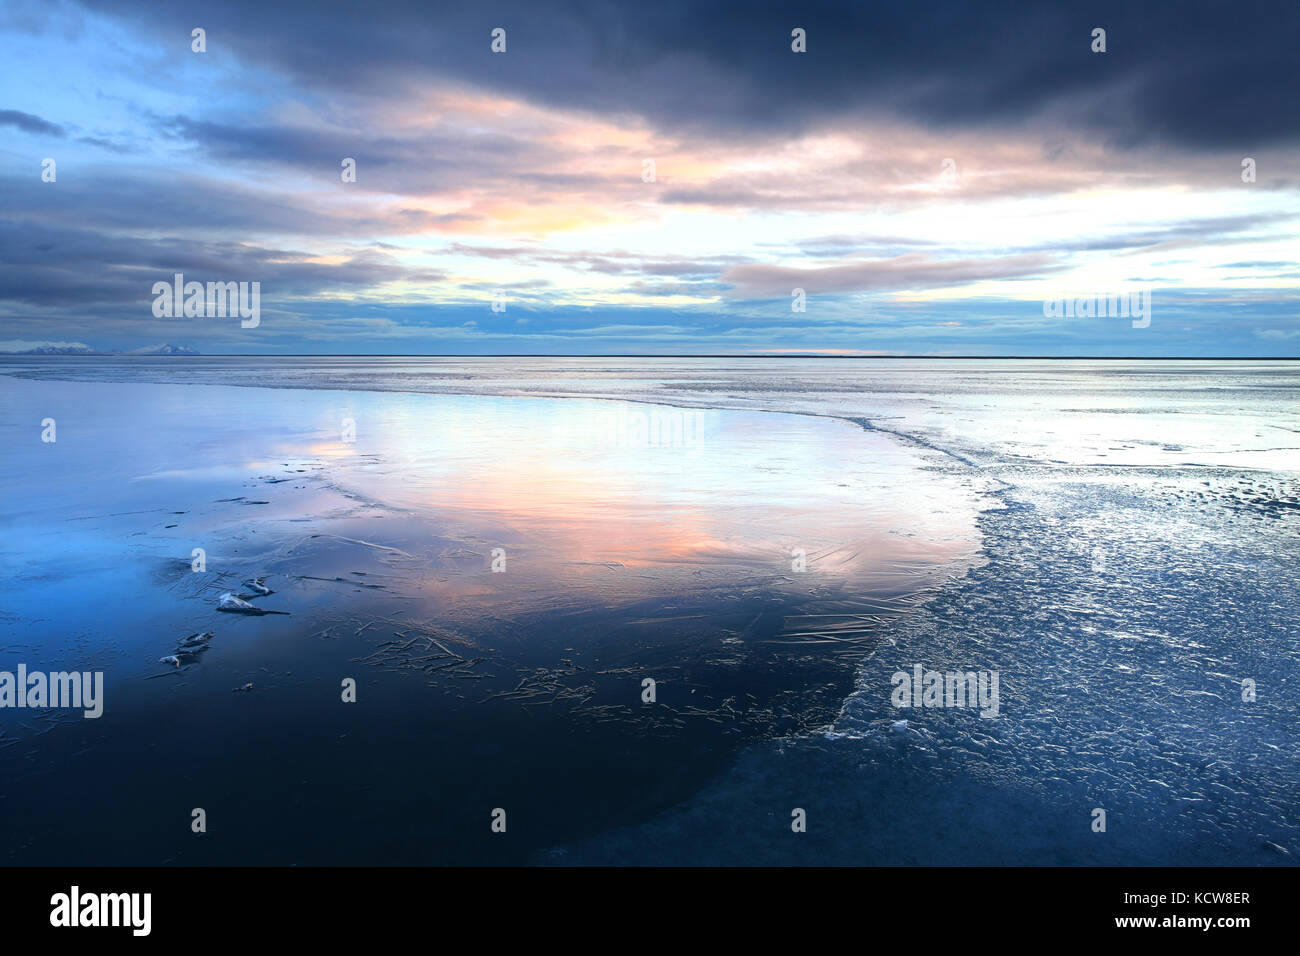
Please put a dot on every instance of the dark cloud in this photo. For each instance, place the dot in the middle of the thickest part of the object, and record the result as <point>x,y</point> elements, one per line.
<point>139,200</point>
<point>43,265</point>
<point>106,144</point>
<point>1197,73</point>
<point>438,156</point>
<point>445,156</point>
<point>29,123</point>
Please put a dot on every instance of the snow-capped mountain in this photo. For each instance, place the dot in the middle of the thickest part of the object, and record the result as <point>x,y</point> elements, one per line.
<point>80,348</point>
<point>51,348</point>
<point>167,349</point>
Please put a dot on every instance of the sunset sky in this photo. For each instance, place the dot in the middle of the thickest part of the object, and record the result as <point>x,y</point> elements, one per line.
<point>519,175</point>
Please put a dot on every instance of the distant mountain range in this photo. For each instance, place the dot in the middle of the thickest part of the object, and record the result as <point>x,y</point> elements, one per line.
<point>164,350</point>
<point>77,348</point>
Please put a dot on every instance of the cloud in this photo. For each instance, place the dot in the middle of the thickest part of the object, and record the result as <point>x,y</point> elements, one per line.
<point>29,123</point>
<point>899,273</point>
<point>45,265</point>
<point>522,172</point>
<point>1186,74</point>
<point>614,262</point>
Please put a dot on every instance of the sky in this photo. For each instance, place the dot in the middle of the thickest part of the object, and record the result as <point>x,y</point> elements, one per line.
<point>632,178</point>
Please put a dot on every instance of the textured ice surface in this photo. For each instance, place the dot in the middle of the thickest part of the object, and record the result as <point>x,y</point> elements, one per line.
<point>1122,624</point>
<point>1143,564</point>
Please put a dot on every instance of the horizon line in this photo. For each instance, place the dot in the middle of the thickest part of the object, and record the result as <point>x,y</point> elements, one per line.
<point>663,355</point>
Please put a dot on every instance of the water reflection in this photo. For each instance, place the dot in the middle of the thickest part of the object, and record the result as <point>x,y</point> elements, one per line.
<point>741,560</point>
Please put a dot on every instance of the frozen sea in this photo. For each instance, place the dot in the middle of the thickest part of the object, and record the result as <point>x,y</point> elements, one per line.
<point>501,551</point>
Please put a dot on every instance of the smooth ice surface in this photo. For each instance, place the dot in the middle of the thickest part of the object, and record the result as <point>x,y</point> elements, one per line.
<point>636,542</point>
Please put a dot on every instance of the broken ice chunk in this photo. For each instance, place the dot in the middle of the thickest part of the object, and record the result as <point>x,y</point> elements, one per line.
<point>237,605</point>
<point>257,586</point>
<point>195,641</point>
